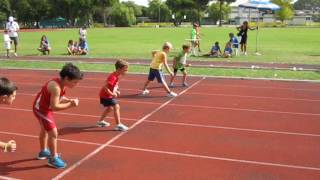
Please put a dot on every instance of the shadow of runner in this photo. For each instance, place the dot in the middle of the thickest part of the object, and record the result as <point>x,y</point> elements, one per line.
<point>82,129</point>
<point>7,167</point>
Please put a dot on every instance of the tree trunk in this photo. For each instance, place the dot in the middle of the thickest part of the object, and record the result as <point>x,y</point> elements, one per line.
<point>220,13</point>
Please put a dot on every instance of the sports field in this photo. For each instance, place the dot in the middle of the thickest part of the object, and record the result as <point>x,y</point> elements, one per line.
<point>278,45</point>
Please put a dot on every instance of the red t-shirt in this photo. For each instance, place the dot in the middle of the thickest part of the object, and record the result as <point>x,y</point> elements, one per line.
<point>42,100</point>
<point>111,82</point>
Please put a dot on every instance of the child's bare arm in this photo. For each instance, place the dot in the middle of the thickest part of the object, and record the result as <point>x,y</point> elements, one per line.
<point>106,88</point>
<point>167,66</point>
<point>55,103</point>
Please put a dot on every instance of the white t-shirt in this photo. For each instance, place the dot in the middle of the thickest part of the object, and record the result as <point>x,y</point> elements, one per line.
<point>83,33</point>
<point>12,27</point>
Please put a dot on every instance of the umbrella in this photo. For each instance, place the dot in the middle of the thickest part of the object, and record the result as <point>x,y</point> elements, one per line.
<point>261,5</point>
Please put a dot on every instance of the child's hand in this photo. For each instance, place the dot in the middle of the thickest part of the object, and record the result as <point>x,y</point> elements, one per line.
<point>171,74</point>
<point>118,93</point>
<point>74,102</point>
<point>188,65</point>
<point>11,146</point>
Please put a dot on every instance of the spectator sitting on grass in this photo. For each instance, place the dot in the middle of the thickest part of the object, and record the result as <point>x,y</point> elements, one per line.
<point>70,47</point>
<point>227,53</point>
<point>215,50</point>
<point>44,45</point>
<point>83,47</point>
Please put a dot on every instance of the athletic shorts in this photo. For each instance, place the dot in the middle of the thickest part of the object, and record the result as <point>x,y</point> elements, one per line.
<point>156,73</point>
<point>176,70</point>
<point>7,45</point>
<point>243,40</point>
<point>45,119</point>
<point>108,102</point>
<point>15,40</point>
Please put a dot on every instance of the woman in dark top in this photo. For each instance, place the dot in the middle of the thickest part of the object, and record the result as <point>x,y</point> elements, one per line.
<point>243,30</point>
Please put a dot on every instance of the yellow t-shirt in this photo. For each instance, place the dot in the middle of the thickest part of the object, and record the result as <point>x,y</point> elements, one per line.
<point>158,60</point>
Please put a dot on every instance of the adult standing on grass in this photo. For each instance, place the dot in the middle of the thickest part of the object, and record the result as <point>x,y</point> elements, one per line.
<point>13,27</point>
<point>243,33</point>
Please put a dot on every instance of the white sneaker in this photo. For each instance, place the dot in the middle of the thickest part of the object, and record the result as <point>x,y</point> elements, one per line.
<point>103,124</point>
<point>145,92</point>
<point>185,85</point>
<point>121,127</point>
<point>172,94</point>
<point>171,85</point>
<point>245,53</point>
<point>15,54</point>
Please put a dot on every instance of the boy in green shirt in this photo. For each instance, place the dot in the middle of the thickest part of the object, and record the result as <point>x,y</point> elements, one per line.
<point>179,63</point>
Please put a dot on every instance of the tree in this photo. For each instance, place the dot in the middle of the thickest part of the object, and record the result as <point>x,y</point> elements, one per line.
<point>180,8</point>
<point>221,3</point>
<point>159,11</point>
<point>286,11</point>
<point>4,10</point>
<point>307,4</point>
<point>200,5</point>
<point>136,8</point>
<point>214,11</point>
<point>105,8</point>
<point>123,16</point>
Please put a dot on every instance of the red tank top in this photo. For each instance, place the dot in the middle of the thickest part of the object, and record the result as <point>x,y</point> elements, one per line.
<point>42,100</point>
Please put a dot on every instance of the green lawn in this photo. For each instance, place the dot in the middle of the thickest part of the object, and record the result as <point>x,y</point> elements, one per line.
<point>284,45</point>
<point>276,74</point>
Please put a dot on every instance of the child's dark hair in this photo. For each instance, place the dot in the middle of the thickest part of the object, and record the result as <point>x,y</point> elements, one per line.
<point>71,71</point>
<point>6,87</point>
<point>186,46</point>
<point>216,43</point>
<point>121,63</point>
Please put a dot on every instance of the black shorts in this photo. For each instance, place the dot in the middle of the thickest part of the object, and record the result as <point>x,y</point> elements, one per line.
<point>108,102</point>
<point>176,70</point>
<point>243,39</point>
<point>155,73</point>
<point>15,40</point>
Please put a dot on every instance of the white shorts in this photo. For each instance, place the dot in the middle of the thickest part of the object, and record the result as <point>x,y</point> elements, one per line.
<point>7,45</point>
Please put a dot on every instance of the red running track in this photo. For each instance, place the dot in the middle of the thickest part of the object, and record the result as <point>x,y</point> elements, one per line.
<point>216,129</point>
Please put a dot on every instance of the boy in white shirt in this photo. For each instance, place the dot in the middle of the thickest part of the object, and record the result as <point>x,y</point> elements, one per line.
<point>7,44</point>
<point>12,28</point>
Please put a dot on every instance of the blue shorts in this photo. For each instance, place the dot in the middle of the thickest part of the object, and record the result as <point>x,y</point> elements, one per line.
<point>156,73</point>
<point>108,102</point>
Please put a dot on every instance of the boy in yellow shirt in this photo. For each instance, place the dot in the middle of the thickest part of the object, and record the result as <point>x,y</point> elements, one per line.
<point>159,59</point>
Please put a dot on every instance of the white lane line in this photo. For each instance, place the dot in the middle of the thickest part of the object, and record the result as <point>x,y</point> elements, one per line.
<point>59,139</point>
<point>182,124</point>
<point>218,107</point>
<point>219,158</point>
<point>244,109</point>
<point>8,178</point>
<point>62,174</point>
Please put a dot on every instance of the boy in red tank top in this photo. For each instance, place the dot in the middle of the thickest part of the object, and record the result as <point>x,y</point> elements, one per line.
<point>51,98</point>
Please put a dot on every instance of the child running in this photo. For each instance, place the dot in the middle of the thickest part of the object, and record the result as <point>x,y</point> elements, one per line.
<point>159,58</point>
<point>7,95</point>
<point>179,63</point>
<point>51,98</point>
<point>108,94</point>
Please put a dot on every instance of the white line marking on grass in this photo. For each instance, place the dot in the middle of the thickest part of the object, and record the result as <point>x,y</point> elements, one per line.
<point>62,174</point>
<point>59,139</point>
<point>219,158</point>
<point>8,178</point>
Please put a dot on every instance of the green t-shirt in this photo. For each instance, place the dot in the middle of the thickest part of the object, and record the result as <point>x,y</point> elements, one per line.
<point>180,60</point>
<point>193,34</point>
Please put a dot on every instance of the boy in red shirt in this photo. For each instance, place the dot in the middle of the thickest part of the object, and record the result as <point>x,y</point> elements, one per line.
<point>51,98</point>
<point>108,94</point>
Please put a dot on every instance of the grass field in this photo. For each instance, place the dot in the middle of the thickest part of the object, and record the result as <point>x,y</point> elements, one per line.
<point>284,45</point>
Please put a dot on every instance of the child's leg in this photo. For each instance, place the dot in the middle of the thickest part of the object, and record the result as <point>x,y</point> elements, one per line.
<point>172,78</point>
<point>117,113</point>
<point>146,84</point>
<point>8,52</point>
<point>184,78</point>
<point>105,113</point>
<point>165,86</point>
<point>52,142</point>
<point>43,139</point>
